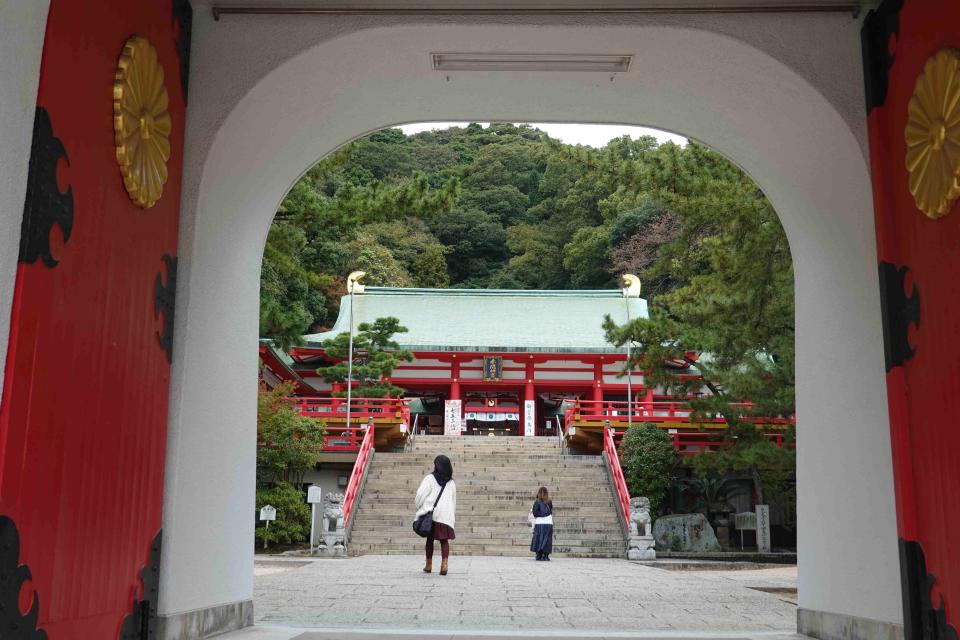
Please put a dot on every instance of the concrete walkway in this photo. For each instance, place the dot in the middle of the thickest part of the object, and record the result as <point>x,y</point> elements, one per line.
<point>496,595</point>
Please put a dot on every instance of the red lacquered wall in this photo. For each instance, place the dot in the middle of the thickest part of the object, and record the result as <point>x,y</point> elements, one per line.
<point>920,285</point>
<point>83,421</point>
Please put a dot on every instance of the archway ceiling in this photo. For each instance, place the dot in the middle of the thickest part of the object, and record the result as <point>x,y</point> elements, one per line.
<point>584,5</point>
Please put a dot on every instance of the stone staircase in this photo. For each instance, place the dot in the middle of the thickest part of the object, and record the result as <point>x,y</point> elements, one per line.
<point>497,479</point>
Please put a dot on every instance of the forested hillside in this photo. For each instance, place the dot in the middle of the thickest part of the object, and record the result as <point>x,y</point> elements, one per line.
<point>508,207</point>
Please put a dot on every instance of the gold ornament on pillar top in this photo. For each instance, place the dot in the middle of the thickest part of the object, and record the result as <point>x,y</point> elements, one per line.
<point>141,122</point>
<point>932,135</point>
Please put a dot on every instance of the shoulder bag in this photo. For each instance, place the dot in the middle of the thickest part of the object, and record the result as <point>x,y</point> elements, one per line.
<point>423,526</point>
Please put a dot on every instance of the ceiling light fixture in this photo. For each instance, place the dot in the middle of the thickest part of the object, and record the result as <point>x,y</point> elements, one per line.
<point>530,62</point>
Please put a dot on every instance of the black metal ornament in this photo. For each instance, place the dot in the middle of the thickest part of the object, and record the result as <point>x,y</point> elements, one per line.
<point>13,624</point>
<point>878,26</point>
<point>165,295</point>
<point>183,17</point>
<point>140,624</point>
<point>921,620</point>
<point>898,311</point>
<point>45,206</point>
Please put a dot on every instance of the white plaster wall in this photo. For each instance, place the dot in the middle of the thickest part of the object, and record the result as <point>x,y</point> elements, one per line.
<point>22,25</point>
<point>781,95</point>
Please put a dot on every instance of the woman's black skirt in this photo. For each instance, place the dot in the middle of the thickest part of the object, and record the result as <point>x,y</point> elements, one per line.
<point>542,539</point>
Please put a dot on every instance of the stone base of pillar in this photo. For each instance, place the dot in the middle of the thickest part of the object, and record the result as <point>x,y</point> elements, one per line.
<point>206,623</point>
<point>826,625</point>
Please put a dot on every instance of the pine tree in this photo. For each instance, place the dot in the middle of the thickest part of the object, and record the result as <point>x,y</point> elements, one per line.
<point>375,356</point>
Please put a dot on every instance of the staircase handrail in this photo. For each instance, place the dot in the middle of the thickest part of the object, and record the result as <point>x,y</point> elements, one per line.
<point>412,436</point>
<point>619,481</point>
<point>560,436</point>
<point>356,477</point>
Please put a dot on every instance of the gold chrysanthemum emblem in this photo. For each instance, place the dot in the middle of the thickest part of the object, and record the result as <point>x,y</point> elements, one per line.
<point>141,122</point>
<point>933,135</point>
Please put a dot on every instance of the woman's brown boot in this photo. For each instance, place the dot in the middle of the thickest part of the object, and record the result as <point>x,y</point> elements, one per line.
<point>443,567</point>
<point>428,568</point>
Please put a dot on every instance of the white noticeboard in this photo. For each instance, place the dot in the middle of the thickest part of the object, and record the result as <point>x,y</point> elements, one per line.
<point>314,494</point>
<point>529,418</point>
<point>763,528</point>
<point>452,421</point>
<point>268,513</point>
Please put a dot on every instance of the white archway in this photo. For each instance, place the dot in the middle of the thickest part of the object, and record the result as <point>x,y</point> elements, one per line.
<point>270,96</point>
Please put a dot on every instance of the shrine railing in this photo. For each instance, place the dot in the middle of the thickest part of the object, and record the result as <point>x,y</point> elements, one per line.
<point>358,474</point>
<point>613,415</point>
<point>655,411</point>
<point>362,410</point>
<point>616,472</point>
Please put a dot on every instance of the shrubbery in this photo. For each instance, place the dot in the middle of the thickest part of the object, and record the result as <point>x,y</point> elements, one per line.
<point>648,459</point>
<point>293,514</point>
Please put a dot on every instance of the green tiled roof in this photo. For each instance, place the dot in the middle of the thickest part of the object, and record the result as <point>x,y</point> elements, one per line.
<point>491,319</point>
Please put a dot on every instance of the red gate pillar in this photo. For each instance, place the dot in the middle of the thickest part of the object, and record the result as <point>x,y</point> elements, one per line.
<point>912,72</point>
<point>84,416</point>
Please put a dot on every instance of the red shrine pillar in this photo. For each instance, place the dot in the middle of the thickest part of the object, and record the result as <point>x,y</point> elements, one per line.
<point>598,381</point>
<point>453,407</point>
<point>455,380</point>
<point>529,403</point>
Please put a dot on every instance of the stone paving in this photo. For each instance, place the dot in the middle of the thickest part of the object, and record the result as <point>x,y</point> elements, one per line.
<point>499,594</point>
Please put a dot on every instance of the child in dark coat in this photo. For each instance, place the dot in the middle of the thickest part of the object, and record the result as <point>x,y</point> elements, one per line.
<point>542,512</point>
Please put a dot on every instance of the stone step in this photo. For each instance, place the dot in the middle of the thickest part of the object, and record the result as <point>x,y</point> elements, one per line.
<point>496,482</point>
<point>471,538</point>
<point>559,551</point>
<point>491,502</point>
<point>497,548</point>
<point>367,522</point>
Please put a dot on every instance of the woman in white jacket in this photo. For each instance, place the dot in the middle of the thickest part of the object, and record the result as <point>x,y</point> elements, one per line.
<point>443,513</point>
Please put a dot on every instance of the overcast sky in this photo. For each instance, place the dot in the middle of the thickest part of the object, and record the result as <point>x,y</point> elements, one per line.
<point>593,135</point>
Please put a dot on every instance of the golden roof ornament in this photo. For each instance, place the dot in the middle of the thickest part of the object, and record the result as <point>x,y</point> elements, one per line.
<point>141,122</point>
<point>631,285</point>
<point>353,282</point>
<point>932,135</point>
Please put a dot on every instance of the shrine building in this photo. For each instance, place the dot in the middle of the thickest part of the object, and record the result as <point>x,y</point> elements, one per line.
<point>495,362</point>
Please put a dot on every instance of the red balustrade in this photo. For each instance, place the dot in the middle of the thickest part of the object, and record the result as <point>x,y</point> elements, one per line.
<point>619,482</point>
<point>656,411</point>
<point>686,444</point>
<point>362,410</point>
<point>356,477</point>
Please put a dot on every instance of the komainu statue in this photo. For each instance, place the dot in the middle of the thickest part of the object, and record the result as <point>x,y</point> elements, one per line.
<point>641,538</point>
<point>333,534</point>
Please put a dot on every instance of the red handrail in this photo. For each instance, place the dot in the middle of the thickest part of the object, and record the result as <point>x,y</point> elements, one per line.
<point>359,467</point>
<point>655,411</point>
<point>619,482</point>
<point>340,438</point>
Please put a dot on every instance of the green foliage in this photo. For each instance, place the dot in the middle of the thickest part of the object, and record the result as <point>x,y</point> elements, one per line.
<point>730,295</point>
<point>287,442</point>
<point>430,268</point>
<point>476,241</point>
<point>713,493</point>
<point>629,223</point>
<point>648,460</point>
<point>375,356</point>
<point>774,469</point>
<point>587,258</point>
<point>293,515</point>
